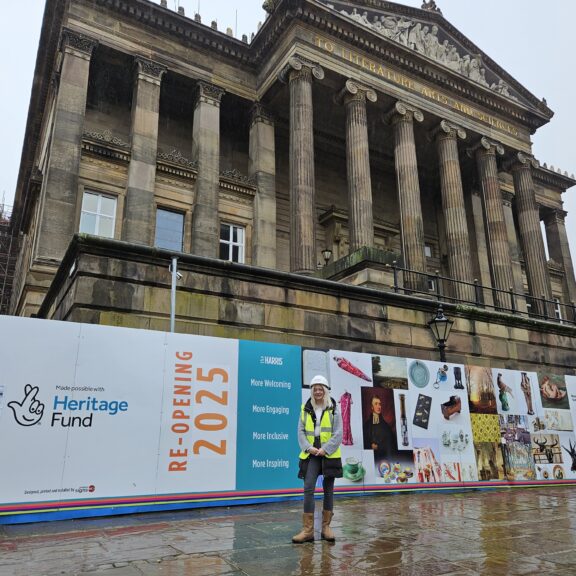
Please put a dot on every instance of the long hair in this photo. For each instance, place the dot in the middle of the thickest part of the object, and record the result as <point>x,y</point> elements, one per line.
<point>327,401</point>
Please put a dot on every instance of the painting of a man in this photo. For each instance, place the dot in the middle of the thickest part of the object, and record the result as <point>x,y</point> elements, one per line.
<point>378,435</point>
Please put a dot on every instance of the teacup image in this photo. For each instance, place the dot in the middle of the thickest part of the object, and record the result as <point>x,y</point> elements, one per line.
<point>352,464</point>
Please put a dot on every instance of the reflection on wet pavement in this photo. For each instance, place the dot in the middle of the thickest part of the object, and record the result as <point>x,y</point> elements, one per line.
<point>504,532</point>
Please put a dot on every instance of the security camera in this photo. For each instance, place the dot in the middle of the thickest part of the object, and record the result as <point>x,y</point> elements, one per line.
<point>178,276</point>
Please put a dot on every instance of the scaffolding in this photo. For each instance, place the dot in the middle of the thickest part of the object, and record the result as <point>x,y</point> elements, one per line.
<point>8,254</point>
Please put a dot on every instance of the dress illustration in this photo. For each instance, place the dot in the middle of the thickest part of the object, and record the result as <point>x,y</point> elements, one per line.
<point>346,409</point>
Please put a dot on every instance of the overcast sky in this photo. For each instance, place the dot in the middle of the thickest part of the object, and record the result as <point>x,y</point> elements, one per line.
<point>537,51</point>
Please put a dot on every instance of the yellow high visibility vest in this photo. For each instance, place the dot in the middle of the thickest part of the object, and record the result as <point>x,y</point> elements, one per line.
<point>325,430</point>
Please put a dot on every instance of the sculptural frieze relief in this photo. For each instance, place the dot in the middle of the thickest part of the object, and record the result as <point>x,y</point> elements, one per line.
<point>425,40</point>
<point>106,137</point>
<point>176,157</point>
<point>236,175</point>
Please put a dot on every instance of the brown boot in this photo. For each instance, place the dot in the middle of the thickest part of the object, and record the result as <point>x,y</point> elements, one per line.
<point>327,533</point>
<point>307,532</point>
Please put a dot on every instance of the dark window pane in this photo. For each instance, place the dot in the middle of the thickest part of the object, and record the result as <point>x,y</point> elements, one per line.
<point>235,254</point>
<point>225,232</point>
<point>224,252</point>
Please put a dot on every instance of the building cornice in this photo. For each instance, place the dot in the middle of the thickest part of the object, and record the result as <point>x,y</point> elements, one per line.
<point>548,177</point>
<point>187,30</point>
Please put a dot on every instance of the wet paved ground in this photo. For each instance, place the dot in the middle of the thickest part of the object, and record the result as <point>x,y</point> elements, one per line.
<point>506,532</point>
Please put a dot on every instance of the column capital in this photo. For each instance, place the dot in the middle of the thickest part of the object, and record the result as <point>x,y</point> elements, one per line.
<point>486,146</point>
<point>208,93</point>
<point>403,112</point>
<point>78,43</point>
<point>148,70</point>
<point>354,91</point>
<point>448,130</point>
<point>521,161</point>
<point>298,67</point>
<point>555,215</point>
<point>261,113</point>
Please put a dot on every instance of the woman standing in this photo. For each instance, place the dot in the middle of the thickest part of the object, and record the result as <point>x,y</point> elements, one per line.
<point>319,436</point>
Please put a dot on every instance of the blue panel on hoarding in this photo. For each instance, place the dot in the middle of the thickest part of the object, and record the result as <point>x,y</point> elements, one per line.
<point>269,399</point>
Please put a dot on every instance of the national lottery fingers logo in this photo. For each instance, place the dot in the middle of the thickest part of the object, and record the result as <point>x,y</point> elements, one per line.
<point>30,410</point>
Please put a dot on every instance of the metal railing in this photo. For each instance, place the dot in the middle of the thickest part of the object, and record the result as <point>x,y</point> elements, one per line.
<point>446,289</point>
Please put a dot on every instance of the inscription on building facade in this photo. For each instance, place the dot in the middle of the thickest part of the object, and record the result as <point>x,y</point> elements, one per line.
<point>391,75</point>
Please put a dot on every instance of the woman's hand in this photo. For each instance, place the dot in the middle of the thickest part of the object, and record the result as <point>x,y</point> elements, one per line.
<point>320,452</point>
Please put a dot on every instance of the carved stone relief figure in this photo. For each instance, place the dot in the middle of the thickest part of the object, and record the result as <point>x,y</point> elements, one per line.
<point>431,43</point>
<point>422,39</point>
<point>415,39</point>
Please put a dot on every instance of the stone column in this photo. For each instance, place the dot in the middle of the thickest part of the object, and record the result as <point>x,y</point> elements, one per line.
<point>206,152</point>
<point>480,246</point>
<point>559,249</point>
<point>60,189</point>
<point>499,249</point>
<point>139,210</point>
<point>262,168</point>
<point>530,232</point>
<point>459,255</point>
<point>515,256</point>
<point>402,117</point>
<point>360,217</point>
<point>299,73</point>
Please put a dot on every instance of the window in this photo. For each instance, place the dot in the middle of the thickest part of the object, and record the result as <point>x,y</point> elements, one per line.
<point>169,230</point>
<point>98,215</point>
<point>558,310</point>
<point>427,250</point>
<point>232,243</point>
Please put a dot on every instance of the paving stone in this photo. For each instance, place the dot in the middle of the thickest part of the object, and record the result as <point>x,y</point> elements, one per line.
<point>493,533</point>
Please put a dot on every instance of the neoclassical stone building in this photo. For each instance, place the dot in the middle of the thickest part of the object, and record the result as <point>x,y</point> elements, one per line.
<point>372,130</point>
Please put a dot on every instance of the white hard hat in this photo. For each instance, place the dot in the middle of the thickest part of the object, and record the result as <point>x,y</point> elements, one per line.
<point>319,379</point>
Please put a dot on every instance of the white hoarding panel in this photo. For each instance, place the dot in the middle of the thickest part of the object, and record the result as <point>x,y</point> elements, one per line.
<point>197,449</point>
<point>36,360</point>
<point>113,411</point>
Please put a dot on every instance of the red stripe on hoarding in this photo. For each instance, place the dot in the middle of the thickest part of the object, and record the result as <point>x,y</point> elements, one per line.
<point>212,496</point>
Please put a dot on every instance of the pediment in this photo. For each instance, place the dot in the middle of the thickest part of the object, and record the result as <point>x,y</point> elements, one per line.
<point>426,32</point>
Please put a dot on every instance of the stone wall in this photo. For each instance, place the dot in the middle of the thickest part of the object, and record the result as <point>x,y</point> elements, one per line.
<point>115,283</point>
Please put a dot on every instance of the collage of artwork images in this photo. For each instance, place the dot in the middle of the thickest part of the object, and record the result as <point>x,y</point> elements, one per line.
<point>420,421</point>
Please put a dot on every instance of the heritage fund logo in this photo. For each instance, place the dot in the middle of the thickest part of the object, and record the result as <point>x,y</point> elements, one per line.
<point>30,410</point>
<point>66,412</point>
<point>81,412</point>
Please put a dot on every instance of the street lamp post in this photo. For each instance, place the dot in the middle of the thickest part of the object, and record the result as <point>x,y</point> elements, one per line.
<point>441,326</point>
<point>175,276</point>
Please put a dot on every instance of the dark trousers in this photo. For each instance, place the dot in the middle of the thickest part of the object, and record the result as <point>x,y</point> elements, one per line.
<point>314,470</point>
